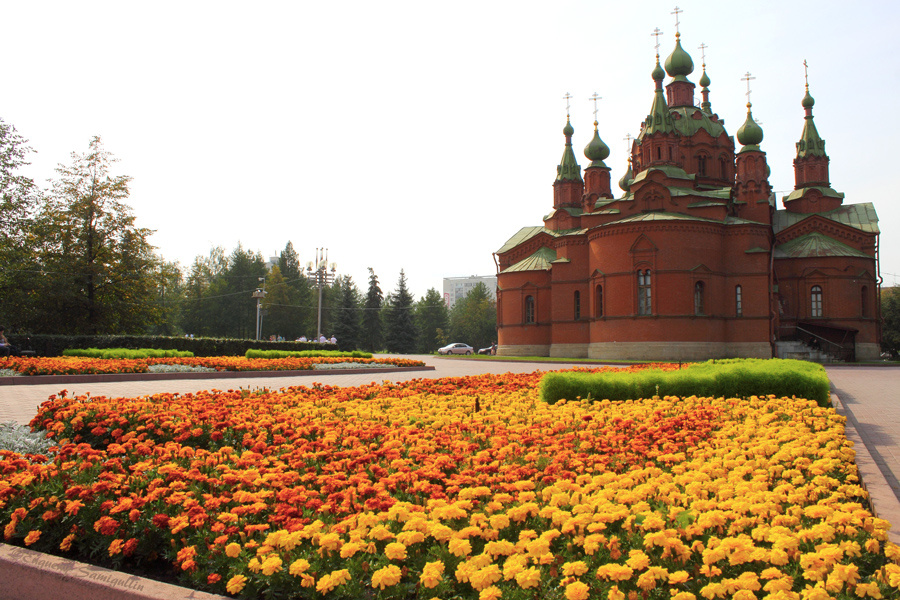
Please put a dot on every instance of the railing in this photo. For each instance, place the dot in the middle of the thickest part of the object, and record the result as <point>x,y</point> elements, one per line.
<point>838,352</point>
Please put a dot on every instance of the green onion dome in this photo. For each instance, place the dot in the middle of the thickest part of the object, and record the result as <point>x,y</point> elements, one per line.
<point>679,63</point>
<point>750,134</point>
<point>568,130</point>
<point>627,179</point>
<point>658,74</point>
<point>808,101</point>
<point>704,79</point>
<point>596,150</point>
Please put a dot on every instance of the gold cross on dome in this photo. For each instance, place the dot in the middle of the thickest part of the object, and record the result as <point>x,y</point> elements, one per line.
<point>676,12</point>
<point>567,97</point>
<point>628,139</point>
<point>748,78</point>
<point>656,33</point>
<point>806,74</point>
<point>595,97</point>
<point>702,48</point>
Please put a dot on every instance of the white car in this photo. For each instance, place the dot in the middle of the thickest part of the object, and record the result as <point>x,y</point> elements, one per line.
<point>456,349</point>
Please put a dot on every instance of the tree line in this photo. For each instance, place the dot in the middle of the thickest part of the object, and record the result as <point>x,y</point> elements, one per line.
<point>73,260</point>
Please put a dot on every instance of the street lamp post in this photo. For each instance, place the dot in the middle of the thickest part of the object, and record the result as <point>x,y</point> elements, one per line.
<point>321,274</point>
<point>259,294</point>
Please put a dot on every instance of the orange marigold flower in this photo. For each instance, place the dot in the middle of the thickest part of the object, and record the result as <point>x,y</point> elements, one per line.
<point>232,550</point>
<point>271,565</point>
<point>574,569</point>
<point>116,546</point>
<point>615,594</point>
<point>528,578</point>
<point>66,544</point>
<point>298,566</point>
<point>490,593</point>
<point>214,578</point>
<point>106,525</point>
<point>32,537</point>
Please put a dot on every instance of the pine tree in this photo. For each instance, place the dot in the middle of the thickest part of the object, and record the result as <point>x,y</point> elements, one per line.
<point>401,329</point>
<point>346,322</point>
<point>372,324</point>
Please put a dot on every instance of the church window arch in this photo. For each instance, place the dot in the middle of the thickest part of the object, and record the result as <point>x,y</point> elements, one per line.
<point>738,301</point>
<point>698,298</point>
<point>529,309</point>
<point>643,287</point>
<point>701,165</point>
<point>598,298</point>
<point>577,302</point>
<point>815,301</point>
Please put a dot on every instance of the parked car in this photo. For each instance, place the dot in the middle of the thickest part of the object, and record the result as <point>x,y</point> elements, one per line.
<point>456,349</point>
<point>492,349</point>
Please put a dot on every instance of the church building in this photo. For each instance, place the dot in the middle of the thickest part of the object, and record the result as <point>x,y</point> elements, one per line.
<point>694,260</point>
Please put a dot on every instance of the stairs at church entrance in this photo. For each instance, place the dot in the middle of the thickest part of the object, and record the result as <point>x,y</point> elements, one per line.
<point>800,351</point>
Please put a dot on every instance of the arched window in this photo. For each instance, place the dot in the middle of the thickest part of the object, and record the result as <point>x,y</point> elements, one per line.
<point>701,166</point>
<point>738,302</point>
<point>644,304</point>
<point>698,298</point>
<point>658,153</point>
<point>529,309</point>
<point>577,305</point>
<point>864,302</point>
<point>598,308</point>
<point>723,168</point>
<point>815,301</point>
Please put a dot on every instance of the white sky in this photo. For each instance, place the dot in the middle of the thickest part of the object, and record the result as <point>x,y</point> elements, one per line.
<point>420,135</point>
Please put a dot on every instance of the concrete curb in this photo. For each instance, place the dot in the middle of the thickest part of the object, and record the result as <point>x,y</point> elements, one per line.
<point>29,575</point>
<point>115,377</point>
<point>883,501</point>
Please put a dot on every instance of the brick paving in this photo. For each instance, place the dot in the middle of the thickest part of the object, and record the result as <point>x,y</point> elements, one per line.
<point>869,397</point>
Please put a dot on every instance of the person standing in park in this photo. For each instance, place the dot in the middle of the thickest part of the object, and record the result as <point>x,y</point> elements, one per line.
<point>7,349</point>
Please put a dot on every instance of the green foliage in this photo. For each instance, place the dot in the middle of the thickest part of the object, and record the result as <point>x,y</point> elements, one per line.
<point>473,319</point>
<point>890,312</point>
<point>254,353</point>
<point>401,329</point>
<point>432,322</point>
<point>127,353</point>
<point>733,378</point>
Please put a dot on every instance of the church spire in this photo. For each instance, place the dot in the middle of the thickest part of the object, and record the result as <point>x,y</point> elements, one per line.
<point>596,174</point>
<point>705,106</point>
<point>811,163</point>
<point>568,187</point>
<point>750,133</point>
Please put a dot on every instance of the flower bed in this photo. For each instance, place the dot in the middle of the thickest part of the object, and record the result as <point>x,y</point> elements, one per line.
<point>66,365</point>
<point>456,488</point>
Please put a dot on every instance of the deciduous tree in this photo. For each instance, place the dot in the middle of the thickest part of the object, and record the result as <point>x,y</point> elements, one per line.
<point>473,319</point>
<point>432,322</point>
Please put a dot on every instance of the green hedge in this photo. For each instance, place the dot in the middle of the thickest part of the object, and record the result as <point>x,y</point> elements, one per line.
<point>735,378</point>
<point>54,345</point>
<point>254,353</point>
<point>127,353</point>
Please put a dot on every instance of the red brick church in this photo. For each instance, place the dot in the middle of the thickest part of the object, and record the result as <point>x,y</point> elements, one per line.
<point>694,260</point>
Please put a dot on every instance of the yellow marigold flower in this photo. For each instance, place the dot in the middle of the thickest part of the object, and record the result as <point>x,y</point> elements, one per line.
<point>432,574</point>
<point>115,547</point>
<point>615,572</point>
<point>440,532</point>
<point>386,577</point>
<point>646,581</point>
<point>873,546</point>
<point>271,565</point>
<point>713,590</point>
<point>298,566</point>
<point>529,578</point>
<point>490,593</point>
<point>638,560</point>
<point>815,593</point>
<point>574,569</point>
<point>486,576</point>
<point>460,547</point>
<point>232,550</point>
<point>892,551</point>
<point>254,565</point>
<point>349,549</point>
<point>236,584</point>
<point>868,589</point>
<point>678,577</point>
<point>66,544</point>
<point>684,596</point>
<point>330,541</point>
<point>577,590</point>
<point>340,576</point>
<point>499,521</point>
<point>500,548</point>
<point>325,584</point>
<point>782,584</point>
<point>307,580</point>
<point>380,533</point>
<point>395,551</point>
<point>615,594</point>
<point>408,538</point>
<point>32,537</point>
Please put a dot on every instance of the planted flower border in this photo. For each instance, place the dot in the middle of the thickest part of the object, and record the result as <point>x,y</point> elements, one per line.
<point>456,488</point>
<point>66,365</point>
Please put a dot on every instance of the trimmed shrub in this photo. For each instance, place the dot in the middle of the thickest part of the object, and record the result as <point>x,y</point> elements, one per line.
<point>255,353</point>
<point>54,345</point>
<point>127,353</point>
<point>732,378</point>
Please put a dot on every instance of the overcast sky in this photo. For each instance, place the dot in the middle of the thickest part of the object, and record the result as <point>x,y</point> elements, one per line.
<point>421,135</point>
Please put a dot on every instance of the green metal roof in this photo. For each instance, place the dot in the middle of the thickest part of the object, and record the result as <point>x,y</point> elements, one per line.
<point>825,191</point>
<point>524,234</point>
<point>687,125</point>
<point>714,194</point>
<point>670,170</point>
<point>659,119</point>
<point>659,216</point>
<point>539,261</point>
<point>810,144</point>
<point>568,169</point>
<point>815,244</point>
<point>860,216</point>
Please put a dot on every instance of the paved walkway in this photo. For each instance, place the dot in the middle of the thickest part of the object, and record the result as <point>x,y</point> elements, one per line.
<point>868,396</point>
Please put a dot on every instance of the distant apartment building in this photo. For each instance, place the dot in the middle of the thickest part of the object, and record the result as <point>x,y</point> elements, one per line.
<point>456,288</point>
